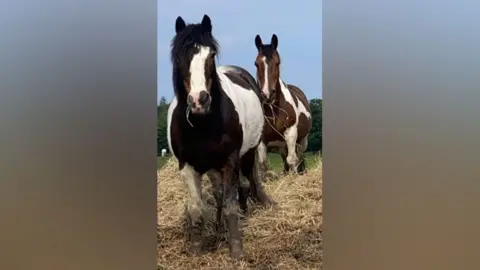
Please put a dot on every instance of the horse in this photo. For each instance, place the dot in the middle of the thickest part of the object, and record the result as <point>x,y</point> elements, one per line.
<point>214,126</point>
<point>287,111</point>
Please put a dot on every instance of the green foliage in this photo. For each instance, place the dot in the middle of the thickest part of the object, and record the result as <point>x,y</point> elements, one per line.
<point>162,109</point>
<point>314,139</point>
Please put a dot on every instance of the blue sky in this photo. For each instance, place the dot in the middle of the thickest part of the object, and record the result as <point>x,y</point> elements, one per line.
<point>235,24</point>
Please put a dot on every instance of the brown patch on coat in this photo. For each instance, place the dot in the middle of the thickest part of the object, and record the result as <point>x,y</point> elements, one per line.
<point>281,115</point>
<point>304,126</point>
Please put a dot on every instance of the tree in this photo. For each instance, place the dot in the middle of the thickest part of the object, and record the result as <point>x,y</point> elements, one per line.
<point>315,137</point>
<point>162,110</point>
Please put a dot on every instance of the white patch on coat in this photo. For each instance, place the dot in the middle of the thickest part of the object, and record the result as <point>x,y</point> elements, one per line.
<point>171,109</point>
<point>265,89</point>
<point>198,82</point>
<point>248,107</point>
<point>288,97</point>
<point>262,153</point>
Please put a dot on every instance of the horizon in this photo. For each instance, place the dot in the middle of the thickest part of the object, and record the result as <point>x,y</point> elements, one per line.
<point>301,61</point>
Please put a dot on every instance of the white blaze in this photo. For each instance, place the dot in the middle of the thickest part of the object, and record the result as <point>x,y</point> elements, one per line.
<point>198,81</point>
<point>265,89</point>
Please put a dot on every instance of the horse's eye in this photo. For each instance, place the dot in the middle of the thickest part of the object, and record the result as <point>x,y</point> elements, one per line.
<point>255,63</point>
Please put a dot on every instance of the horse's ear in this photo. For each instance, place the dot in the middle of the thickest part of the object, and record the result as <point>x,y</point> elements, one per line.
<point>179,25</point>
<point>258,42</point>
<point>207,23</point>
<point>274,41</point>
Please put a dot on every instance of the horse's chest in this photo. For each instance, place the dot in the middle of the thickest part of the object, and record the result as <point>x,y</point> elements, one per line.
<point>201,149</point>
<point>276,127</point>
<point>203,155</point>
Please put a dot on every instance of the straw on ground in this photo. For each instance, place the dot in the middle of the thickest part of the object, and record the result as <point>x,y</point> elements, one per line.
<point>287,237</point>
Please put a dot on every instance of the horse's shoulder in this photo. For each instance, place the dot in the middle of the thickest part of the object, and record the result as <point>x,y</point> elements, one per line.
<point>300,95</point>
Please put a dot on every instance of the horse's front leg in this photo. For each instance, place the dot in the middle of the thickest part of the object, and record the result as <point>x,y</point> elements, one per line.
<point>193,184</point>
<point>231,183</point>
<point>218,192</point>
<point>291,141</point>
<point>301,148</point>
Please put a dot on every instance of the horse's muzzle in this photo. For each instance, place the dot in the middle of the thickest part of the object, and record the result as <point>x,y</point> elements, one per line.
<point>200,103</point>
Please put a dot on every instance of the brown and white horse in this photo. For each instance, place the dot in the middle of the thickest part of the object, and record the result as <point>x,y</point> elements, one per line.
<point>287,114</point>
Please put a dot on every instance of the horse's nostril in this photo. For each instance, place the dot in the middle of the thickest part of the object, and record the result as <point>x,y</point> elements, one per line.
<point>189,100</point>
<point>203,97</point>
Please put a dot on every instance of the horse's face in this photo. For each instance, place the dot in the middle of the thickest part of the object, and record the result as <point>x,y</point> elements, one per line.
<point>197,67</point>
<point>268,67</point>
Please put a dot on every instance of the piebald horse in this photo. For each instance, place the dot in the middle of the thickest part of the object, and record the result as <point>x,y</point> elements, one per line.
<point>215,123</point>
<point>287,113</point>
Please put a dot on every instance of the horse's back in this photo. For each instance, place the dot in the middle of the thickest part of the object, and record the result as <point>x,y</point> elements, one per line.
<point>243,74</point>
<point>241,89</point>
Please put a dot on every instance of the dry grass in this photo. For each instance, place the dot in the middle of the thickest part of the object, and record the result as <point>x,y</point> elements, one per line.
<point>288,237</point>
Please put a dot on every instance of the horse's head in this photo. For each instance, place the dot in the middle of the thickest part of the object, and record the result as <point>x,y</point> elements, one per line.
<point>268,67</point>
<point>193,56</point>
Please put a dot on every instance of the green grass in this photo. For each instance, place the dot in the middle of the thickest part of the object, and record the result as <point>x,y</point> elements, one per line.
<point>275,161</point>
<point>161,161</point>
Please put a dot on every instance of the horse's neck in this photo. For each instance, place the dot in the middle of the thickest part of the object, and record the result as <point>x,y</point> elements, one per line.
<point>276,108</point>
<point>280,95</point>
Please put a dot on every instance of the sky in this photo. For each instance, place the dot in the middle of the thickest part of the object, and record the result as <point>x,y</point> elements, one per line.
<point>235,24</point>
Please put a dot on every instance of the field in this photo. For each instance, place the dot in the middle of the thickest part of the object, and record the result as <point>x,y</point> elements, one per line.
<point>275,160</point>
<point>285,237</point>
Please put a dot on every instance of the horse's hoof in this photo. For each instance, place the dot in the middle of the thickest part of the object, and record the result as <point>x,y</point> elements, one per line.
<point>196,249</point>
<point>236,253</point>
<point>270,203</point>
<point>243,214</point>
<point>266,201</point>
<point>219,229</point>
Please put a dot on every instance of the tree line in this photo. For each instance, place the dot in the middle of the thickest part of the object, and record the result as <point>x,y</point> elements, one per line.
<point>314,139</point>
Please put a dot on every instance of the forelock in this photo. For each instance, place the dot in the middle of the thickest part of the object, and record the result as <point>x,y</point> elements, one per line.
<point>183,45</point>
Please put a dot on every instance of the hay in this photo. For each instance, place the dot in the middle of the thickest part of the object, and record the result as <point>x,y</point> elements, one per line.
<point>288,237</point>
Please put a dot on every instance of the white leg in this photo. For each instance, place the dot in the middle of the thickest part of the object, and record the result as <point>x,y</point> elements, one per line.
<point>193,184</point>
<point>291,141</point>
